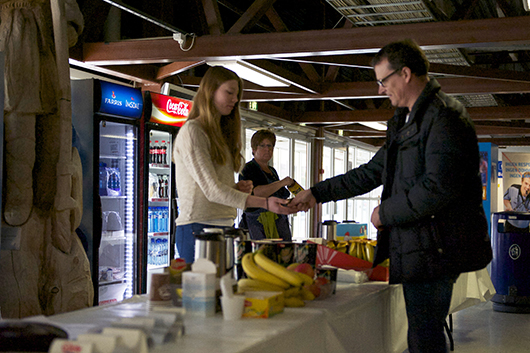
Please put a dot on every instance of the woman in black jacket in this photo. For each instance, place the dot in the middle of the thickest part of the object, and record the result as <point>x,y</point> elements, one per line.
<point>261,223</point>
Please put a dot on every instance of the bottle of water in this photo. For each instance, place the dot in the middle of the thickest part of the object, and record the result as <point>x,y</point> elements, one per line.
<point>155,220</point>
<point>166,219</point>
<point>164,252</point>
<point>158,253</point>
<point>160,220</point>
<point>152,250</point>
<point>149,220</point>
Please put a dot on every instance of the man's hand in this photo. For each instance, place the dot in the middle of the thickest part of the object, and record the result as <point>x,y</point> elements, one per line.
<point>375,218</point>
<point>245,186</point>
<point>304,200</point>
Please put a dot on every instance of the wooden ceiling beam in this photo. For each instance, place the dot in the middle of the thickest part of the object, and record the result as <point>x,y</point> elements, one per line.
<point>213,17</point>
<point>497,32</point>
<point>251,16</point>
<point>365,90</point>
<point>176,68</point>
<point>379,115</point>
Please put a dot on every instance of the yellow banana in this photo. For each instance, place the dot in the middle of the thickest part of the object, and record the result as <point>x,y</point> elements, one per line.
<point>307,294</point>
<point>292,292</point>
<point>277,270</point>
<point>353,248</point>
<point>370,251</point>
<point>248,284</point>
<point>293,302</point>
<point>255,272</point>
<point>305,278</point>
<point>363,250</point>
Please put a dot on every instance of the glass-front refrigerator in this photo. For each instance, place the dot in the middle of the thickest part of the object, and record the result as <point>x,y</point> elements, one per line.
<point>163,116</point>
<point>106,119</point>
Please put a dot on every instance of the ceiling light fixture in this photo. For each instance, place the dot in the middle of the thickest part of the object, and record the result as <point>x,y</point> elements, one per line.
<point>251,73</point>
<point>374,125</point>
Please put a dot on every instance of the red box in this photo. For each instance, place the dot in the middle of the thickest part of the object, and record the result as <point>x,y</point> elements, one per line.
<point>328,256</point>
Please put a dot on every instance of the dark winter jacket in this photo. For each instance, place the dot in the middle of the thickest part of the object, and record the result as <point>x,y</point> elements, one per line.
<point>431,204</point>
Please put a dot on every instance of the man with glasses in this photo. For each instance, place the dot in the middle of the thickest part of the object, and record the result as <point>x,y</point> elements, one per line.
<point>430,222</point>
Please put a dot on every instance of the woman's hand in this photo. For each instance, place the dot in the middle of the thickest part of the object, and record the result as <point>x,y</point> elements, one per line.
<point>280,206</point>
<point>245,186</point>
<point>287,181</point>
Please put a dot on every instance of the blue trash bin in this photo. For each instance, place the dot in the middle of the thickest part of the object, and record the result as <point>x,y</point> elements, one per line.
<point>510,267</point>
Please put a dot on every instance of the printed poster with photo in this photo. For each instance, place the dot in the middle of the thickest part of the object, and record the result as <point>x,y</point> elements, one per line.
<point>516,184</point>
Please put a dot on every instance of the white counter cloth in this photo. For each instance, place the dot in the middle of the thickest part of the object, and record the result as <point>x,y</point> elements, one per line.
<point>368,317</point>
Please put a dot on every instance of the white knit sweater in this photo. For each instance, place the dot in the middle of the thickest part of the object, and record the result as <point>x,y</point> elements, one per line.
<point>206,190</point>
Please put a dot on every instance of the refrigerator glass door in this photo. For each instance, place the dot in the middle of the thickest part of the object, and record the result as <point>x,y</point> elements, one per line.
<point>118,191</point>
<point>158,197</point>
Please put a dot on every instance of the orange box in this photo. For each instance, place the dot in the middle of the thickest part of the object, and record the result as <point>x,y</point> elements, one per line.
<point>328,256</point>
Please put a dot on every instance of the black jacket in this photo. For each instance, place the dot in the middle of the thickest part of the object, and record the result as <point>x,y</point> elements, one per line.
<point>431,204</point>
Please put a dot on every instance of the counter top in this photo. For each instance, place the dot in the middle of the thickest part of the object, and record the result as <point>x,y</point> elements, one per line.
<point>367,317</point>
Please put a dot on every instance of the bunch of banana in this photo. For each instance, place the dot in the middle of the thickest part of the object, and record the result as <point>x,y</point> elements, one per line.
<point>363,249</point>
<point>266,275</point>
<point>342,246</point>
<point>370,250</point>
<point>331,244</point>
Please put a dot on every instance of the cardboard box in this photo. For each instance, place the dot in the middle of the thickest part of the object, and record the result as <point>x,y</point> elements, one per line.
<point>328,256</point>
<point>263,304</point>
<point>347,231</point>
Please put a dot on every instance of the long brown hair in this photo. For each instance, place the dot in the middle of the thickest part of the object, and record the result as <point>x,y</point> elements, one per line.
<point>225,135</point>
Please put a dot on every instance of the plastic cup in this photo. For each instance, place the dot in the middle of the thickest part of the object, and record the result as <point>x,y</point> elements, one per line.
<point>233,307</point>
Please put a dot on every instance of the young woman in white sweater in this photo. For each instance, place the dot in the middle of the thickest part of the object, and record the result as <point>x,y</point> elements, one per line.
<point>207,153</point>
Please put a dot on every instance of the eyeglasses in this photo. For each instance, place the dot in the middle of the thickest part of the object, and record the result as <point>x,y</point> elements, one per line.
<point>381,82</point>
<point>266,146</point>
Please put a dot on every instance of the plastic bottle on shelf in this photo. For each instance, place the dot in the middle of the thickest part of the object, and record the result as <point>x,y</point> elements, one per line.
<point>160,220</point>
<point>103,179</point>
<point>166,185</point>
<point>166,219</point>
<point>155,220</point>
<point>156,257</point>
<point>150,151</point>
<point>151,253</point>
<point>164,252</point>
<point>161,190</point>
<point>155,152</point>
<point>164,153</point>
<point>149,220</point>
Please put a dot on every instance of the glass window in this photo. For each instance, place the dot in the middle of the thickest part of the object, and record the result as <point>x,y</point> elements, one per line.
<point>339,167</point>
<point>328,208</point>
<point>300,220</point>
<point>281,158</point>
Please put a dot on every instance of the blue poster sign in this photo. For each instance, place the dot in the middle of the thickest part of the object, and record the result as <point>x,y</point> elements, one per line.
<point>120,100</point>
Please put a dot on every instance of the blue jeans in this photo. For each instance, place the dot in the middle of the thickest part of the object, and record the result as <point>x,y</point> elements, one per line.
<point>185,239</point>
<point>427,306</point>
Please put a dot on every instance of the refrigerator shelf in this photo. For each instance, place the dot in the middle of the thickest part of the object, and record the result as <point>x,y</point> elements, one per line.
<point>112,197</point>
<point>158,166</point>
<point>108,283</point>
<point>158,234</point>
<point>105,156</point>
<point>165,199</point>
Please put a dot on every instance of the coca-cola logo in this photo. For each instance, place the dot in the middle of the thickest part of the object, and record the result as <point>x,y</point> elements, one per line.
<point>180,108</point>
